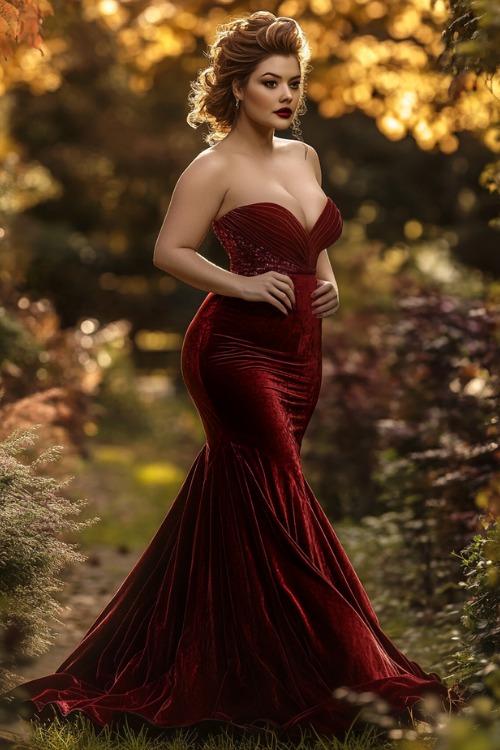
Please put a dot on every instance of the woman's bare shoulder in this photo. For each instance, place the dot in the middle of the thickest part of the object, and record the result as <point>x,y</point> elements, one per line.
<point>208,165</point>
<point>295,148</point>
<point>301,152</point>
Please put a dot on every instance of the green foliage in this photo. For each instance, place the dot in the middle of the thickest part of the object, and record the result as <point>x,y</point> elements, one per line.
<point>472,36</point>
<point>440,442</point>
<point>407,430</point>
<point>472,48</point>
<point>490,179</point>
<point>48,374</point>
<point>481,614</point>
<point>340,449</point>
<point>17,346</point>
<point>131,486</point>
<point>427,635</point>
<point>477,725</point>
<point>478,728</point>
<point>33,516</point>
<point>118,402</point>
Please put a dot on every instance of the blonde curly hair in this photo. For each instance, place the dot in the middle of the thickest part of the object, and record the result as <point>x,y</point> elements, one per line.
<point>239,47</point>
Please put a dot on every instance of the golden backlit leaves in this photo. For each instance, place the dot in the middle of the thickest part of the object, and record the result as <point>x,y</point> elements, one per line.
<point>372,55</point>
<point>9,18</point>
<point>21,22</point>
<point>394,83</point>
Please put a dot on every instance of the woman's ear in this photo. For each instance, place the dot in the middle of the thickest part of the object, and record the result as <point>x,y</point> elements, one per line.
<point>237,89</point>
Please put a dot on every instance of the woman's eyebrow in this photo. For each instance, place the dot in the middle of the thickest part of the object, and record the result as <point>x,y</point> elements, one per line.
<point>278,76</point>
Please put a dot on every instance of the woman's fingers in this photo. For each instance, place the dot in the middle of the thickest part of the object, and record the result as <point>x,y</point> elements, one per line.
<point>278,290</point>
<point>325,300</point>
<point>283,298</point>
<point>324,287</point>
<point>328,306</point>
<point>285,294</point>
<point>285,283</point>
<point>273,287</point>
<point>281,290</point>
<point>276,303</point>
<point>323,313</point>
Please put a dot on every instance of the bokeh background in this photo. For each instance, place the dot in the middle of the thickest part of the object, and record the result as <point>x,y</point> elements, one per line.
<point>403,449</point>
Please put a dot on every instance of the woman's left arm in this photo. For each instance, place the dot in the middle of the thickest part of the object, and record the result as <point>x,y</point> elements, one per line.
<point>325,298</point>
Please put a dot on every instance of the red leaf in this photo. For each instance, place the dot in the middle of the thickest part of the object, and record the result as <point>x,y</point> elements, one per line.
<point>9,20</point>
<point>21,21</point>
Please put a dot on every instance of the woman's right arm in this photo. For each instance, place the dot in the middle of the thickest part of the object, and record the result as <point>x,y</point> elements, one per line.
<point>195,202</point>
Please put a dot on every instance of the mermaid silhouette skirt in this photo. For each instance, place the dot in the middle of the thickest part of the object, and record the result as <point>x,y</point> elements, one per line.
<point>244,608</point>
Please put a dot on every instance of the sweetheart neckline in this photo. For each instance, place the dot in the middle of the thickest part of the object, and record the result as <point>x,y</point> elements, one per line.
<point>306,231</point>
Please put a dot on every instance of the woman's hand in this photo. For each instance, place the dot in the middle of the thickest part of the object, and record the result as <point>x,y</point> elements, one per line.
<point>273,287</point>
<point>325,299</point>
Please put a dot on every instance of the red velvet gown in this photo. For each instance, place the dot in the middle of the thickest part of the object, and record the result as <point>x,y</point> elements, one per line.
<point>244,608</point>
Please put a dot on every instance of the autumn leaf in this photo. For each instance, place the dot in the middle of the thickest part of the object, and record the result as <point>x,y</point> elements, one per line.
<point>20,22</point>
<point>29,25</point>
<point>9,20</point>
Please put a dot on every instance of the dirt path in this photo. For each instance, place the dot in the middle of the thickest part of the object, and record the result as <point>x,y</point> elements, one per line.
<point>89,587</point>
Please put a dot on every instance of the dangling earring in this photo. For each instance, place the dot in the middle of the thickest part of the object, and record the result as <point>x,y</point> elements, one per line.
<point>237,105</point>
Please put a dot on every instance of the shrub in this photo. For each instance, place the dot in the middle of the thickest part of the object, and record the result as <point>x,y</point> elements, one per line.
<point>340,448</point>
<point>48,374</point>
<point>481,613</point>
<point>407,425</point>
<point>440,443</point>
<point>33,516</point>
<point>477,725</point>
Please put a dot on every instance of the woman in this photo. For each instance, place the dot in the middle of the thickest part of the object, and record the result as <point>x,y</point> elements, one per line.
<point>244,608</point>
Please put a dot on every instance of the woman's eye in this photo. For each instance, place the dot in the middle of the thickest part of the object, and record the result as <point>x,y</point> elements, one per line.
<point>272,84</point>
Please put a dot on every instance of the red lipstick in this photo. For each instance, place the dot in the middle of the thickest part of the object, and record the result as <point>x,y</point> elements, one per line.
<point>285,112</point>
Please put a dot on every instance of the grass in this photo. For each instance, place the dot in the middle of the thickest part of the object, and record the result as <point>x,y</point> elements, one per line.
<point>80,735</point>
<point>430,638</point>
<point>134,472</point>
<point>135,492</point>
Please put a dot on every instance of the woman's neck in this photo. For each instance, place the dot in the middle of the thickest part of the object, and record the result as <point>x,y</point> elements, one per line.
<point>251,137</point>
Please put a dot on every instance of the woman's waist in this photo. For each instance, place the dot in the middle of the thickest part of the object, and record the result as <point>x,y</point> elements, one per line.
<point>237,323</point>
<point>260,321</point>
<point>304,282</point>
<point>303,286</point>
<point>289,268</point>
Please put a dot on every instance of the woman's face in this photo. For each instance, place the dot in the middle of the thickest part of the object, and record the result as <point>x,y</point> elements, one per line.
<point>272,93</point>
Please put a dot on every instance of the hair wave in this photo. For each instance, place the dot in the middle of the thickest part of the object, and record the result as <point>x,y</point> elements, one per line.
<point>239,47</point>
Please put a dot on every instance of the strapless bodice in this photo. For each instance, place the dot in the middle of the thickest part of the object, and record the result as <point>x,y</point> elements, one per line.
<point>265,236</point>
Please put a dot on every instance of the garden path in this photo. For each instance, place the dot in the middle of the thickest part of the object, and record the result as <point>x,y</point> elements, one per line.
<point>89,586</point>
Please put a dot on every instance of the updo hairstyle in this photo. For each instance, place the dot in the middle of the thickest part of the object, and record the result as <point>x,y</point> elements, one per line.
<point>239,47</point>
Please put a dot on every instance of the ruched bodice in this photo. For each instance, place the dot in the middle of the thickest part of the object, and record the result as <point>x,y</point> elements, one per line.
<point>244,608</point>
<point>266,236</point>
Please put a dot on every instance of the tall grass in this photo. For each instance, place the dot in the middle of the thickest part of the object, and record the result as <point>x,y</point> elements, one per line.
<point>81,735</point>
